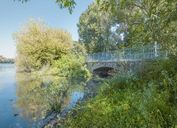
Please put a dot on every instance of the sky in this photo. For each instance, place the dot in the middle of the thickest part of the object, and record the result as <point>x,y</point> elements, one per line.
<point>13,15</point>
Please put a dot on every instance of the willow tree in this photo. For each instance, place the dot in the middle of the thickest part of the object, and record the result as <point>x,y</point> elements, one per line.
<point>39,46</point>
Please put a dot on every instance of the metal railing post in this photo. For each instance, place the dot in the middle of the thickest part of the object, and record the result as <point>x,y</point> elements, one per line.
<point>155,49</point>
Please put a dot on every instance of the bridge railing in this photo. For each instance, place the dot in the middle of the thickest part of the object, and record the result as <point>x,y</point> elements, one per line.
<point>146,52</point>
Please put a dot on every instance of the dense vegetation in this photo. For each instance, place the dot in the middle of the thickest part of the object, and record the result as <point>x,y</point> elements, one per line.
<point>98,30</point>
<point>140,22</point>
<point>39,46</point>
<point>147,99</point>
<point>48,63</point>
<point>146,20</point>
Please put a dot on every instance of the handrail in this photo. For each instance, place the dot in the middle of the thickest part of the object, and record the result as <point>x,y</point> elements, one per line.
<point>143,53</point>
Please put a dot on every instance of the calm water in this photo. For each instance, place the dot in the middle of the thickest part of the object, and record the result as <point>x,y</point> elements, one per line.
<point>20,105</point>
<point>9,117</point>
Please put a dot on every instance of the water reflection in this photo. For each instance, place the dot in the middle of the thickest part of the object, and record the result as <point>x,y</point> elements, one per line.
<point>38,94</point>
<point>26,98</point>
<point>9,114</point>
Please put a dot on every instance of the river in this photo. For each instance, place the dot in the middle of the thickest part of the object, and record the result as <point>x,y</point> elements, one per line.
<point>9,113</point>
<point>19,108</point>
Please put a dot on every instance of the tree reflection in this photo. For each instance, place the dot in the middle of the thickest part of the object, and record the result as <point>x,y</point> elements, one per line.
<point>39,95</point>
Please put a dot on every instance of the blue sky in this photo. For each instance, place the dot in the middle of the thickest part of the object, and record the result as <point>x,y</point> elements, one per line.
<point>15,14</point>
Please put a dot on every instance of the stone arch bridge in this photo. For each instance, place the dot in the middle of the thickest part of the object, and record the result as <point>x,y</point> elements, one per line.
<point>126,60</point>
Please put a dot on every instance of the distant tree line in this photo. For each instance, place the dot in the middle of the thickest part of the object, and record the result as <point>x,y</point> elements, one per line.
<point>6,60</point>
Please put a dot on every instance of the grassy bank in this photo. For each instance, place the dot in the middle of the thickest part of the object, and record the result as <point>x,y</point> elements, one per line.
<point>145,100</point>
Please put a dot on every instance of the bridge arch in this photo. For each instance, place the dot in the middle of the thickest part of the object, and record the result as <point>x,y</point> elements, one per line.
<point>104,71</point>
<point>99,65</point>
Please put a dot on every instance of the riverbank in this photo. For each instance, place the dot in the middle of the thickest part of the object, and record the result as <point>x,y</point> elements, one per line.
<point>147,99</point>
<point>55,119</point>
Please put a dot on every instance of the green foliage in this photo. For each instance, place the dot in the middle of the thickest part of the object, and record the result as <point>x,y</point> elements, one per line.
<point>95,29</point>
<point>39,46</point>
<point>136,101</point>
<point>69,4</point>
<point>71,66</point>
<point>53,62</point>
<point>143,22</point>
<point>147,20</point>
